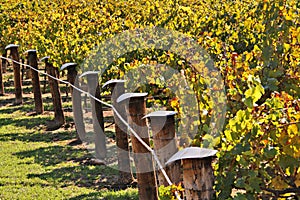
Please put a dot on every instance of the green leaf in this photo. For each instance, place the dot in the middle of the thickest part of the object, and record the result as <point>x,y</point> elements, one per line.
<point>249,102</point>
<point>272,84</point>
<point>270,153</point>
<point>240,182</point>
<point>254,181</point>
<point>266,53</point>
<point>286,161</point>
<point>275,73</point>
<point>240,196</point>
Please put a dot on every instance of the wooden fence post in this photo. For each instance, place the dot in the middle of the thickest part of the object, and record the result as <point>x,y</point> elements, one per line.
<point>76,100</point>
<point>4,63</point>
<point>1,80</point>
<point>38,100</point>
<point>198,176</point>
<point>22,69</point>
<point>59,118</point>
<point>17,75</point>
<point>97,115</point>
<point>162,124</point>
<point>117,88</point>
<point>136,109</point>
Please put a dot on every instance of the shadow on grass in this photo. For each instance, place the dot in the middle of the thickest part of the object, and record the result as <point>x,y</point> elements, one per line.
<point>29,123</point>
<point>97,177</point>
<point>38,137</point>
<point>90,196</point>
<point>27,89</point>
<point>26,121</point>
<point>9,102</point>
<point>111,196</point>
<point>52,155</point>
<point>10,109</point>
<point>27,106</point>
<point>81,176</point>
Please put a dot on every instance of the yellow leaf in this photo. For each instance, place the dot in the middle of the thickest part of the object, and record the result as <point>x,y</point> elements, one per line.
<point>286,47</point>
<point>288,18</point>
<point>256,48</point>
<point>297,181</point>
<point>292,129</point>
<point>278,183</point>
<point>174,103</point>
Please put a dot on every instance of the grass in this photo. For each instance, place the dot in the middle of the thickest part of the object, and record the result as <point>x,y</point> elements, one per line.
<point>38,164</point>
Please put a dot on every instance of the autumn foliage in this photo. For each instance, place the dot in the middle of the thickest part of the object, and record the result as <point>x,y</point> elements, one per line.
<point>255,46</point>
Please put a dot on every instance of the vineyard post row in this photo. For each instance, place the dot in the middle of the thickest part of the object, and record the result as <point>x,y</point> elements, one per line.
<point>136,115</point>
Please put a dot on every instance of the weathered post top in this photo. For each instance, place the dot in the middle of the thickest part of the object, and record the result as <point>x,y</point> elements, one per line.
<point>32,54</point>
<point>72,73</point>
<point>46,59</point>
<point>191,153</point>
<point>89,73</point>
<point>30,51</point>
<point>127,96</point>
<point>32,57</point>
<point>160,113</point>
<point>91,76</point>
<point>113,82</point>
<point>10,46</point>
<point>198,176</point>
<point>68,66</point>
